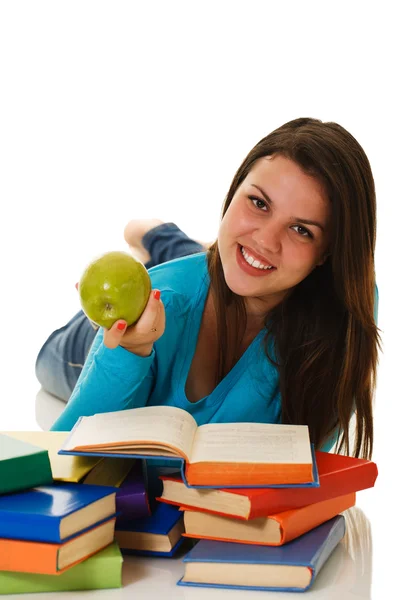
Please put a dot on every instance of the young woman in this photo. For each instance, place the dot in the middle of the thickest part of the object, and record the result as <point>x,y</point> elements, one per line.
<point>275,322</point>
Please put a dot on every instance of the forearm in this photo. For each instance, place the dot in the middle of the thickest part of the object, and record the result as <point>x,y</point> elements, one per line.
<point>111,380</point>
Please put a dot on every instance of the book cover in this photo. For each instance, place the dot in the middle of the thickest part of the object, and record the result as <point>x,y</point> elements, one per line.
<point>64,468</point>
<point>274,530</point>
<point>56,512</point>
<point>158,534</point>
<point>338,475</point>
<point>109,471</point>
<point>102,570</point>
<point>52,559</point>
<point>22,465</point>
<point>268,454</point>
<point>292,567</point>
<point>131,498</point>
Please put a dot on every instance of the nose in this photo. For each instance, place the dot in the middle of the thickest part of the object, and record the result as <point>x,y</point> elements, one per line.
<point>268,237</point>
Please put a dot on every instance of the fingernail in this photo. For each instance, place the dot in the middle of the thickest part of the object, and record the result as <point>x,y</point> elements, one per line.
<point>157,294</point>
<point>121,326</point>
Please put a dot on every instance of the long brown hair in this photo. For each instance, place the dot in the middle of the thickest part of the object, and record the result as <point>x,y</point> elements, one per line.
<point>322,337</point>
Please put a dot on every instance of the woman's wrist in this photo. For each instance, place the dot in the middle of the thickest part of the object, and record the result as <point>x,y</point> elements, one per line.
<point>143,350</point>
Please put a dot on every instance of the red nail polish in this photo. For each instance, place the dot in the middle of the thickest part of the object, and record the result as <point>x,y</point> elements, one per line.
<point>157,294</point>
<point>121,326</point>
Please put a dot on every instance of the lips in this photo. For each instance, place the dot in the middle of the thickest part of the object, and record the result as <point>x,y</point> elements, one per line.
<point>262,260</point>
<point>250,270</point>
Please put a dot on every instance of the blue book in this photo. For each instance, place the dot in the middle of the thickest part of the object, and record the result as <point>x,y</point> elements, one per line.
<point>55,513</point>
<point>292,567</point>
<point>159,534</point>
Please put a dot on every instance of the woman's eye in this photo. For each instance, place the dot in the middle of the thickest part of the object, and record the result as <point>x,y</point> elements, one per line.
<point>258,203</point>
<point>302,231</point>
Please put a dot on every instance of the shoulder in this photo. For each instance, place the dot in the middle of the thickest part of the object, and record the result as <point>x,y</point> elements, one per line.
<point>182,277</point>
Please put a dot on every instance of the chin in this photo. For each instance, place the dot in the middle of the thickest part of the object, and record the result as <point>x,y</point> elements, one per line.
<point>242,288</point>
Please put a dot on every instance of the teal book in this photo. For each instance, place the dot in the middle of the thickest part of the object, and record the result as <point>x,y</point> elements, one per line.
<point>22,465</point>
<point>290,568</point>
<point>101,571</point>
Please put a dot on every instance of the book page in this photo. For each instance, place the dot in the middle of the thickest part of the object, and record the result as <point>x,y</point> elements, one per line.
<point>252,443</point>
<point>164,425</point>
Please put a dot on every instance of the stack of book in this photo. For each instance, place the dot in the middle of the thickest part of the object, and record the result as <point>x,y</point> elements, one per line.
<point>253,537</point>
<point>265,507</point>
<point>139,530</point>
<point>155,531</point>
<point>54,535</point>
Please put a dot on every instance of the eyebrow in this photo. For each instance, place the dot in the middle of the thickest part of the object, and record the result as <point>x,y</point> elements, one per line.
<point>298,219</point>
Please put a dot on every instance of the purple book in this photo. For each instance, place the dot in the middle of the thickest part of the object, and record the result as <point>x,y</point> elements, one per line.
<point>131,498</point>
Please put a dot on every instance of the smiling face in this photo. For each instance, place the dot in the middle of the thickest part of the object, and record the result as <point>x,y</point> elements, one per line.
<point>274,233</point>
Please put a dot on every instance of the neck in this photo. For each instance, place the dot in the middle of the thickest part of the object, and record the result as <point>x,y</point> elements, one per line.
<point>258,308</point>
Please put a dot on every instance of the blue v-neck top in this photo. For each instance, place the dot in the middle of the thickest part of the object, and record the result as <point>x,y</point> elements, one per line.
<point>117,379</point>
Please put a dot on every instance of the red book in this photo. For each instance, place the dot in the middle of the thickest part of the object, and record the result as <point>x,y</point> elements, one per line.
<point>338,475</point>
<point>274,530</point>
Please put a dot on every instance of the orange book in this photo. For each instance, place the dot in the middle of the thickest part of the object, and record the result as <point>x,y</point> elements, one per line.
<point>54,559</point>
<point>274,530</point>
<point>215,454</point>
<point>338,475</point>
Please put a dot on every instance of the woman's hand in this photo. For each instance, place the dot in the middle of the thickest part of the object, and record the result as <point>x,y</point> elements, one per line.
<point>140,337</point>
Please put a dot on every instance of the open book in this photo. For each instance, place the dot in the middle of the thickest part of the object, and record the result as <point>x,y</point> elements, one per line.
<point>215,455</point>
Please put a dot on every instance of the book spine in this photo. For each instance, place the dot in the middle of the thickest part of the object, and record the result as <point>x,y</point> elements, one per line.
<point>85,576</point>
<point>297,522</point>
<point>24,472</point>
<point>132,505</point>
<point>327,548</point>
<point>34,528</point>
<point>28,557</point>
<point>334,484</point>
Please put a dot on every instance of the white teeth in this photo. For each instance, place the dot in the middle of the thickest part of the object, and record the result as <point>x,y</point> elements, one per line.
<point>253,262</point>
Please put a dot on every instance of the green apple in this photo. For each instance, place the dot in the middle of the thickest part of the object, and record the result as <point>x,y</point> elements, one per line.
<point>114,286</point>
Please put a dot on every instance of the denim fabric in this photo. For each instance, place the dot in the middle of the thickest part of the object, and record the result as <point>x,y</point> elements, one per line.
<point>61,358</point>
<point>167,242</point>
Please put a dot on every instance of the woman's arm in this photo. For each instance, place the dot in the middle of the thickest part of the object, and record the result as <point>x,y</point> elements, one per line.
<point>111,380</point>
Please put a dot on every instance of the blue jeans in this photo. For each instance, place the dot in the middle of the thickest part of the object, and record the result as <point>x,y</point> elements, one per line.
<point>61,358</point>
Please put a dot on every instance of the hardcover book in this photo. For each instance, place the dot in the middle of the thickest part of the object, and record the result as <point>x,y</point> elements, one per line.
<point>274,530</point>
<point>159,534</point>
<point>292,567</point>
<point>131,498</point>
<point>64,468</point>
<point>216,454</point>
<point>52,559</point>
<point>22,465</point>
<point>102,570</point>
<point>56,512</point>
<point>338,475</point>
<point>109,471</point>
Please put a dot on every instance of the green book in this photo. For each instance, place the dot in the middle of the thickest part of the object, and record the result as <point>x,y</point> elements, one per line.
<point>101,571</point>
<point>22,465</point>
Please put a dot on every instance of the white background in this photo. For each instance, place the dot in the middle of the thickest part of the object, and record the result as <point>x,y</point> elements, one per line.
<point>118,110</point>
